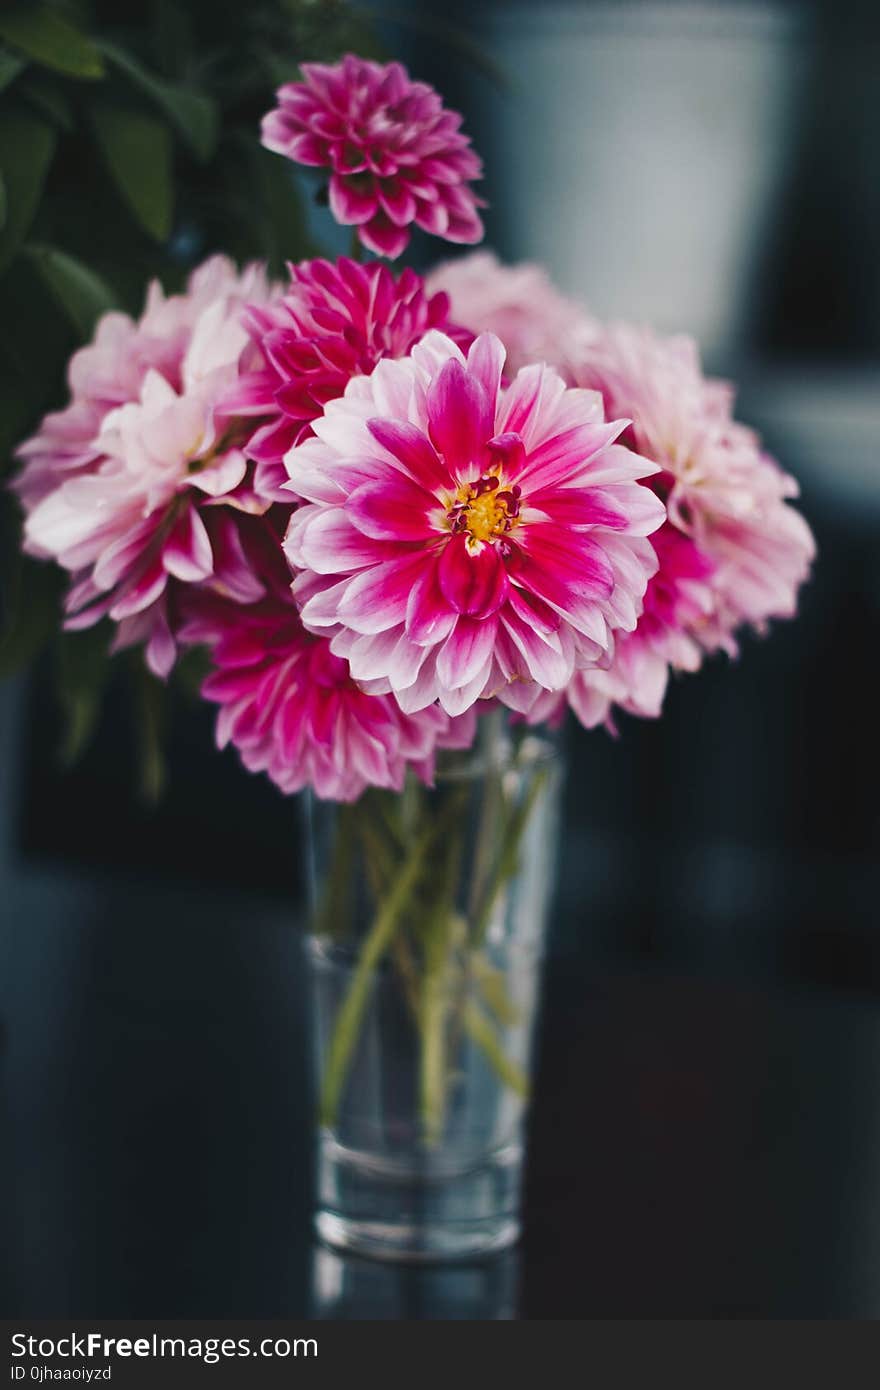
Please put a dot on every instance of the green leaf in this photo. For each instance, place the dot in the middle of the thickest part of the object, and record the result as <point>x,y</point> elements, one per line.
<point>48,99</point>
<point>50,39</point>
<point>81,293</point>
<point>2,202</point>
<point>195,116</point>
<point>83,668</point>
<point>11,64</point>
<point>34,349</point>
<point>26,148</point>
<point>483,1034</point>
<point>137,152</point>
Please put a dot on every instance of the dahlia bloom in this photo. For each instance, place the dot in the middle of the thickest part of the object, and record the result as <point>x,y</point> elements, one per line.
<point>109,372</point>
<point>122,488</point>
<point>461,539</point>
<point>397,156</point>
<point>734,552</point>
<point>334,321</point>
<point>518,303</point>
<point>291,708</point>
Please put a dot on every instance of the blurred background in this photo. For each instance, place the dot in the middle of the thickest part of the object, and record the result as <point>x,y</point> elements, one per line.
<point>706,1138</point>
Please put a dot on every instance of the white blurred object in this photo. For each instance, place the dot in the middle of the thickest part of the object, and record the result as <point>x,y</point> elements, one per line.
<point>642,150</point>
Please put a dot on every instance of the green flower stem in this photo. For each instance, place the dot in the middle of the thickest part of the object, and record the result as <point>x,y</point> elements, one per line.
<point>376,943</point>
<point>507,862</point>
<point>334,907</point>
<point>439,952</point>
<point>496,877</point>
<point>492,807</point>
<point>492,986</point>
<point>383,850</point>
<point>443,934</point>
<point>432,1089</point>
<point>413,857</point>
<point>480,1030</point>
<point>405,962</point>
<point>380,859</point>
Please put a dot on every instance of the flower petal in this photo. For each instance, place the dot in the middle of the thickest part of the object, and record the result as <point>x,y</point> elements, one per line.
<point>475,584</point>
<point>353,200</point>
<point>467,651</point>
<point>377,598</point>
<point>410,447</point>
<point>395,510</point>
<point>187,552</point>
<point>329,542</point>
<point>460,417</point>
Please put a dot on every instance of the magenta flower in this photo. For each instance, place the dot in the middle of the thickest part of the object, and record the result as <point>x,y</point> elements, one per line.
<point>333,322</point>
<point>291,708</point>
<point>397,156</point>
<point>123,487</point>
<point>462,539</point>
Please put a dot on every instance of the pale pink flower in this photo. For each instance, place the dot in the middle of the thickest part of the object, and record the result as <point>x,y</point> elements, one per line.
<point>132,507</point>
<point>334,321</point>
<point>109,372</point>
<point>291,708</point>
<point>734,552</point>
<point>397,156</point>
<point>462,539</point>
<point>518,303</point>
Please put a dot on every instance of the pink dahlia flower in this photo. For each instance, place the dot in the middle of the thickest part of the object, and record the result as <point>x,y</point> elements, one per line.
<point>397,156</point>
<point>333,322</point>
<point>734,552</point>
<point>122,488</point>
<point>109,372</point>
<point>291,708</point>
<point>518,303</point>
<point>462,539</point>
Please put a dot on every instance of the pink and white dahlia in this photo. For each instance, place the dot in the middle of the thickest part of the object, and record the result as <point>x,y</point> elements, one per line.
<point>518,303</point>
<point>109,372</point>
<point>734,552</point>
<point>122,489</point>
<point>461,539</point>
<point>397,156</point>
<point>291,708</point>
<point>334,321</point>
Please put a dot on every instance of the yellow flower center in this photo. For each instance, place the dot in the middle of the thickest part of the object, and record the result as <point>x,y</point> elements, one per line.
<point>484,511</point>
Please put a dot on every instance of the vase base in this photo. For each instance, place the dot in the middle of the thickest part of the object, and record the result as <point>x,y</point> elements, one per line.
<point>372,1206</point>
<point>403,1244</point>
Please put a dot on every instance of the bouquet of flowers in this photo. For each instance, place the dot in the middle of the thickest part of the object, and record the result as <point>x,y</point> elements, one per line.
<point>412,520</point>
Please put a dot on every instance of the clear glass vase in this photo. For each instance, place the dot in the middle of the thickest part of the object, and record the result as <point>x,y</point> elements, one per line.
<point>429,911</point>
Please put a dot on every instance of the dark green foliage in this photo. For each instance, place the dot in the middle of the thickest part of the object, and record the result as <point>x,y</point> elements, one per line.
<point>129,148</point>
